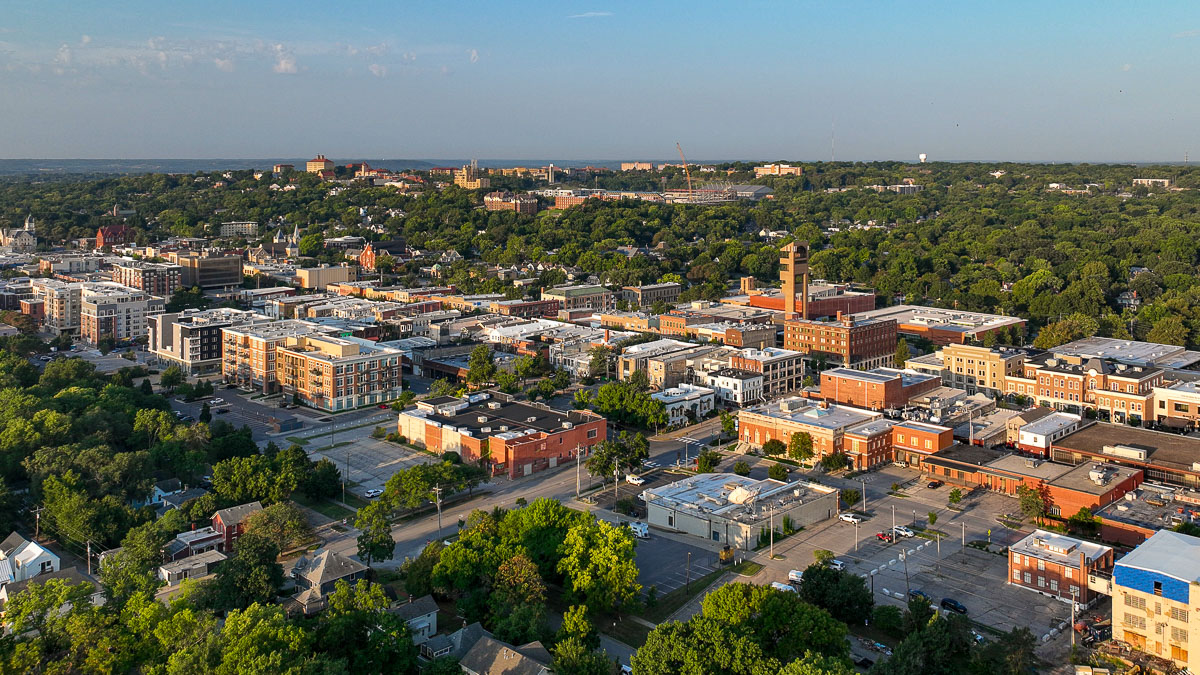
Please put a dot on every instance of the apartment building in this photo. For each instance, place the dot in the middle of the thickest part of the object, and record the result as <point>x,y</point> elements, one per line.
<point>1059,566</point>
<point>571,298</point>
<point>318,164</point>
<point>110,310</point>
<point>782,369</point>
<point>1177,405</point>
<point>981,369</point>
<point>70,264</point>
<point>160,279</point>
<point>336,373</point>
<point>733,387</point>
<point>192,339</point>
<point>777,170</point>
<point>685,403</point>
<point>638,357</point>
<point>519,438</point>
<point>208,270</point>
<point>1155,592</point>
<point>320,277</point>
<point>60,304</point>
<point>248,357</point>
<point>1117,391</point>
<point>470,178</point>
<point>748,335</point>
<point>854,343</point>
<point>647,295</point>
<point>239,228</point>
<point>637,166</point>
<point>506,201</point>
<point>826,424</point>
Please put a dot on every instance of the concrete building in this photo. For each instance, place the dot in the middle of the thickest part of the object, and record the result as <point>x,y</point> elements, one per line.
<point>60,304</point>
<point>248,352</point>
<point>793,266</point>
<point>725,508</point>
<point>777,170</point>
<point>1012,432</point>
<point>1177,405</point>
<point>637,166</point>
<point>596,298</point>
<point>1059,566</point>
<point>520,438</point>
<point>1156,591</point>
<point>335,373</point>
<point>320,277</point>
<point>981,369</point>
<point>110,310</point>
<point>685,403</point>
<point>1037,436</point>
<point>160,279</point>
<point>239,228</point>
<point>877,389</point>
<point>192,339</point>
<point>470,178</point>
<point>208,271</point>
<point>647,295</point>
<point>854,343</point>
<point>782,369</point>
<point>636,357</point>
<point>733,387</point>
<point>946,326</point>
<point>318,164</point>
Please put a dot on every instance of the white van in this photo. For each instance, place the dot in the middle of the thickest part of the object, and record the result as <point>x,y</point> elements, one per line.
<point>640,530</point>
<point>796,576</point>
<point>780,586</point>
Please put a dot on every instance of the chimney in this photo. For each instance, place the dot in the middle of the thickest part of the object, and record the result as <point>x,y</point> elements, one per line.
<point>839,315</point>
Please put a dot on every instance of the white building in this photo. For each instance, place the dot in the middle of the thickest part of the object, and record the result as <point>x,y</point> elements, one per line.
<point>21,559</point>
<point>239,228</point>
<point>733,387</point>
<point>1038,435</point>
<point>683,399</point>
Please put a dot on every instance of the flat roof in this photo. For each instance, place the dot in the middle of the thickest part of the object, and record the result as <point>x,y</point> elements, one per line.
<point>519,417</point>
<point>1130,351</point>
<point>1169,553</point>
<point>942,319</point>
<point>1083,478</point>
<point>1051,423</point>
<point>957,455</point>
<point>1058,548</point>
<point>872,376</point>
<point>802,411</point>
<point>1024,465</point>
<point>1153,506</point>
<point>735,497</point>
<point>1165,449</point>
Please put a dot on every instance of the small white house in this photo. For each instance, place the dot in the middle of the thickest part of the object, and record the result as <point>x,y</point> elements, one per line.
<point>684,399</point>
<point>21,559</point>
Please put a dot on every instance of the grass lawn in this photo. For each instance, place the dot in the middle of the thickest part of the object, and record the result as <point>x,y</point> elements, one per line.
<point>629,632</point>
<point>323,507</point>
<point>297,440</point>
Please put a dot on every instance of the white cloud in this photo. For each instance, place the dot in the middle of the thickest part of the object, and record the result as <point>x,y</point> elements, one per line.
<point>1186,34</point>
<point>378,70</point>
<point>224,65</point>
<point>408,57</point>
<point>1126,68</point>
<point>62,57</point>
<point>590,15</point>
<point>84,39</point>
<point>473,54</point>
<point>285,62</point>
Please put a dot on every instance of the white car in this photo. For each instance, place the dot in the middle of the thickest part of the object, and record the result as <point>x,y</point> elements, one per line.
<point>837,565</point>
<point>217,401</point>
<point>796,576</point>
<point>780,586</point>
<point>633,479</point>
<point>849,518</point>
<point>903,531</point>
<point>373,493</point>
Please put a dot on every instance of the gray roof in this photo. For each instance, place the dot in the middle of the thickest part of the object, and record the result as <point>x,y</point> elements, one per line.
<point>326,566</point>
<point>69,575</point>
<point>1169,553</point>
<point>460,641</point>
<point>11,542</point>
<point>236,514</point>
<point>492,657</point>
<point>418,607</point>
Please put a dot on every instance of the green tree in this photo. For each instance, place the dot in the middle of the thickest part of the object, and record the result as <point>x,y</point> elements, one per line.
<point>728,424</point>
<point>283,523</point>
<point>251,575</point>
<point>774,447</point>
<point>171,377</point>
<point>782,624</point>
<point>375,542</point>
<point>260,639</point>
<point>932,516</point>
<point>850,497</point>
<point>843,594</point>
<point>598,563</point>
<point>481,366</point>
<point>707,460</point>
<point>1033,502</point>
<point>701,646</point>
<point>1169,330</point>
<point>800,446</point>
<point>777,472</point>
<point>741,468</point>
<point>205,413</point>
<point>902,353</point>
<point>955,497</point>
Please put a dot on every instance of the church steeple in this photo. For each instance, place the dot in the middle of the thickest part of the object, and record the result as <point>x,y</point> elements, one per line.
<point>30,224</point>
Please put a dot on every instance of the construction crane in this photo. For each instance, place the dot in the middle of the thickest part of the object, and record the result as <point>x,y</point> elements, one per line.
<point>686,171</point>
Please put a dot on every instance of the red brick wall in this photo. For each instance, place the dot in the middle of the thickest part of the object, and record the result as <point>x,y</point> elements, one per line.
<point>537,449</point>
<point>873,395</point>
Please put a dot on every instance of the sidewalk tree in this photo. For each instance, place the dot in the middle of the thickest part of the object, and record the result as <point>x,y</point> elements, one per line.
<point>598,565</point>
<point>843,594</point>
<point>800,447</point>
<point>171,377</point>
<point>707,460</point>
<point>932,518</point>
<point>774,447</point>
<point>741,468</point>
<point>375,542</point>
<point>777,472</point>
<point>1033,503</point>
<point>955,497</point>
<point>728,424</point>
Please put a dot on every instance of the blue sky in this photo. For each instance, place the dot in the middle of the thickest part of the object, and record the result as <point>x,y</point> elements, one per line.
<point>1037,81</point>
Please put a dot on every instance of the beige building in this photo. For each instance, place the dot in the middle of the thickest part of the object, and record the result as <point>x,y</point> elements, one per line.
<point>469,178</point>
<point>980,369</point>
<point>318,164</point>
<point>333,373</point>
<point>320,277</point>
<point>61,302</point>
<point>1155,594</point>
<point>777,170</point>
<point>248,355</point>
<point>645,296</point>
<point>597,298</point>
<point>110,310</point>
<point>192,339</point>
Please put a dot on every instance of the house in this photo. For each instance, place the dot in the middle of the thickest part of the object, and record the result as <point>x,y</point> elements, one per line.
<point>192,567</point>
<point>69,575</point>
<point>230,523</point>
<point>421,616</point>
<point>21,559</point>
<point>178,499</point>
<point>161,489</point>
<point>490,656</point>
<point>316,577</point>
<point>193,542</point>
<point>455,644</point>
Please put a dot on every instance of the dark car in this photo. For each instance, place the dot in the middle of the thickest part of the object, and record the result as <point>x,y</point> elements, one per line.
<point>953,605</point>
<point>935,484</point>
<point>918,594</point>
<point>223,411</point>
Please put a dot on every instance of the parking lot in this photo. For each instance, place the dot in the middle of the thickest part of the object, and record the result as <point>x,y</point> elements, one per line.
<point>663,561</point>
<point>371,461</point>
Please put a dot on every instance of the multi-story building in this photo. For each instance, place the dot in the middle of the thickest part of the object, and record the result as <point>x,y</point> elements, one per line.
<point>1116,391</point>
<point>248,357</point>
<point>318,164</point>
<point>516,439</point>
<point>335,373</point>
<point>748,335</point>
<point>637,357</point>
<point>637,166</point>
<point>320,277</point>
<point>71,264</point>
<point>161,279</point>
<point>469,178</point>
<point>1177,405</point>
<point>733,387</point>
<point>504,200</point>
<point>208,271</point>
<point>782,369</point>
<point>109,236</point>
<point>1164,457</point>
<point>647,295</point>
<point>1037,436</point>
<point>61,303</point>
<point>826,424</point>
<point>981,369</point>
<point>192,339</point>
<point>949,326</point>
<point>868,445</point>
<point>854,343</point>
<point>777,170</point>
<point>1155,594</point>
<point>525,308</point>
<point>913,442</point>
<point>596,298</point>
<point>685,403</point>
<point>110,310</point>
<point>877,389</point>
<point>239,228</point>
<point>1059,566</point>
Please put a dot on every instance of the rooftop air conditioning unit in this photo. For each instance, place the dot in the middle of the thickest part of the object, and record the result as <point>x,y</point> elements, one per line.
<point>567,425</point>
<point>481,419</point>
<point>504,427</point>
<point>494,405</point>
<point>531,419</point>
<point>486,430</point>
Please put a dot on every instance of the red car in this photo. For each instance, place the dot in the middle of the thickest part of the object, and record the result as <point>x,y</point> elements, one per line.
<point>883,536</point>
<point>384,406</point>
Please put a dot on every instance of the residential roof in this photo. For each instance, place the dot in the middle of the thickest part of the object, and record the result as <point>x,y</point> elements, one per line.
<point>491,657</point>
<point>459,642</point>
<point>326,566</point>
<point>1167,552</point>
<point>418,607</point>
<point>70,575</point>
<point>236,514</point>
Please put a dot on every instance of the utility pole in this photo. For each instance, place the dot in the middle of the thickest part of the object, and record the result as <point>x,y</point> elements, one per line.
<point>89,560</point>
<point>688,576</point>
<point>893,521</point>
<point>437,491</point>
<point>1072,619</point>
<point>864,495</point>
<point>907,587</point>
<point>616,482</point>
<point>578,451</point>
<point>772,534</point>
<point>856,536</point>
<point>37,522</point>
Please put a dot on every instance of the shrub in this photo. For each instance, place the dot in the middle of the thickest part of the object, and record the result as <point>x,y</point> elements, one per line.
<point>624,506</point>
<point>741,468</point>
<point>889,619</point>
<point>379,432</point>
<point>777,472</point>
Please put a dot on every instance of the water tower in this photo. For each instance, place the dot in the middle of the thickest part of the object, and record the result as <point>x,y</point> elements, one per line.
<point>922,157</point>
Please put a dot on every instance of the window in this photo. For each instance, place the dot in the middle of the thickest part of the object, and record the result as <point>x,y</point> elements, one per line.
<point>1179,634</point>
<point>1016,575</point>
<point>670,521</point>
<point>1041,582</point>
<point>1178,614</point>
<point>1179,407</point>
<point>1028,578</point>
<point>1134,601</point>
<point>1054,585</point>
<point>1157,591</point>
<point>591,433</point>
<point>1041,565</point>
<point>1074,590</point>
<point>1069,572</point>
<point>1179,653</point>
<point>1135,621</point>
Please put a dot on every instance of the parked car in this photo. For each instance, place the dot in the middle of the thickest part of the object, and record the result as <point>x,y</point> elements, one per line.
<point>884,537</point>
<point>780,586</point>
<point>954,605</point>
<point>902,465</point>
<point>918,594</point>
<point>223,411</point>
<point>796,576</point>
<point>935,484</point>
<point>217,401</point>
<point>373,493</point>
<point>640,530</point>
<point>903,531</point>
<point>384,406</point>
<point>849,518</point>
<point>837,565</point>
<point>634,479</point>
<point>187,418</point>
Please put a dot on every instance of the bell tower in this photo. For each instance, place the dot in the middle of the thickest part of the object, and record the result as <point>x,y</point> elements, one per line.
<point>793,266</point>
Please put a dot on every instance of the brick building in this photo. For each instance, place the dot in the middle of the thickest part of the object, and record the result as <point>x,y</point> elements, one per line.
<point>528,309</point>
<point>782,369</point>
<point>1117,391</point>
<point>109,236</point>
<point>827,425</point>
<point>155,278</point>
<point>506,201</point>
<point>647,295</point>
<point>596,298</point>
<point>850,342</point>
<point>337,373</point>
<point>981,369</point>
<point>1059,566</point>
<point>318,164</point>
<point>876,389</point>
<point>520,439</point>
<point>913,442</point>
